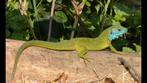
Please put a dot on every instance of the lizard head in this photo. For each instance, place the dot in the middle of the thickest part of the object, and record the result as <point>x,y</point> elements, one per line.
<point>116,32</point>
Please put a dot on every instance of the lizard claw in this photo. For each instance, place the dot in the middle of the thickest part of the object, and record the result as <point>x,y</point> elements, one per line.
<point>86,59</point>
<point>121,53</point>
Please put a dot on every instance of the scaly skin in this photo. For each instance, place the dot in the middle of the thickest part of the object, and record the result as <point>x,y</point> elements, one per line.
<point>81,45</point>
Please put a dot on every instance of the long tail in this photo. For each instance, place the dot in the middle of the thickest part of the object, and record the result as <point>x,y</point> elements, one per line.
<point>43,44</point>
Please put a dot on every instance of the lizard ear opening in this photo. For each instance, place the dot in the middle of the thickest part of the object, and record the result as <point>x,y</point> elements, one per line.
<point>111,35</point>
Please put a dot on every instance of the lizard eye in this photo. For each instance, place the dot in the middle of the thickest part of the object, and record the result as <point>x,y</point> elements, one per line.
<point>119,30</point>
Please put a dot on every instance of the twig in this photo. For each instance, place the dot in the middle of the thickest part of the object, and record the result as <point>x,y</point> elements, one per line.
<point>131,70</point>
<point>78,9</point>
<point>62,77</point>
<point>51,18</point>
<point>23,7</point>
<point>74,26</point>
<point>31,25</point>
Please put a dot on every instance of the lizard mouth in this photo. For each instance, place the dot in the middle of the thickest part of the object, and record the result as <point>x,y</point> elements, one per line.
<point>122,36</point>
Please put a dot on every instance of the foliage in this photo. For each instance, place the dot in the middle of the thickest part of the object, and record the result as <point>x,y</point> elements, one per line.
<point>16,29</point>
<point>137,49</point>
<point>60,17</point>
<point>23,20</point>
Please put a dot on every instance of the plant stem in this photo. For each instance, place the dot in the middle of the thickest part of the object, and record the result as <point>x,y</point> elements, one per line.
<point>74,26</point>
<point>36,15</point>
<point>130,69</point>
<point>31,24</point>
<point>51,18</point>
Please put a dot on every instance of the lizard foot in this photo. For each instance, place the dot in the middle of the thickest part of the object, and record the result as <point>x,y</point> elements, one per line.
<point>86,59</point>
<point>121,53</point>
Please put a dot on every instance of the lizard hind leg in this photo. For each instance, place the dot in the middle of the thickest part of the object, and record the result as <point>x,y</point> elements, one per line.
<point>82,51</point>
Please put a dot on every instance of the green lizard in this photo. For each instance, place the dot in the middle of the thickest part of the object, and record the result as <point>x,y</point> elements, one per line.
<point>81,45</point>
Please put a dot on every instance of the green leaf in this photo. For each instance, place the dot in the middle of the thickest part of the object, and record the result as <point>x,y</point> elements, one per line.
<point>49,1</point>
<point>27,36</point>
<point>106,6</point>
<point>60,17</point>
<point>16,21</point>
<point>100,3</point>
<point>120,15</point>
<point>88,4</point>
<point>18,36</point>
<point>97,7</point>
<point>92,28</point>
<point>59,1</point>
<point>138,48</point>
<point>16,6</point>
<point>127,49</point>
<point>12,5</point>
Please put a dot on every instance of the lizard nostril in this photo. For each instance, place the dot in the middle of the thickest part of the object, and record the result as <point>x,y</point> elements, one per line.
<point>111,33</point>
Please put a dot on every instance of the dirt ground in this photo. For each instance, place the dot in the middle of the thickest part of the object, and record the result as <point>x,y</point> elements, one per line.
<point>40,65</point>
